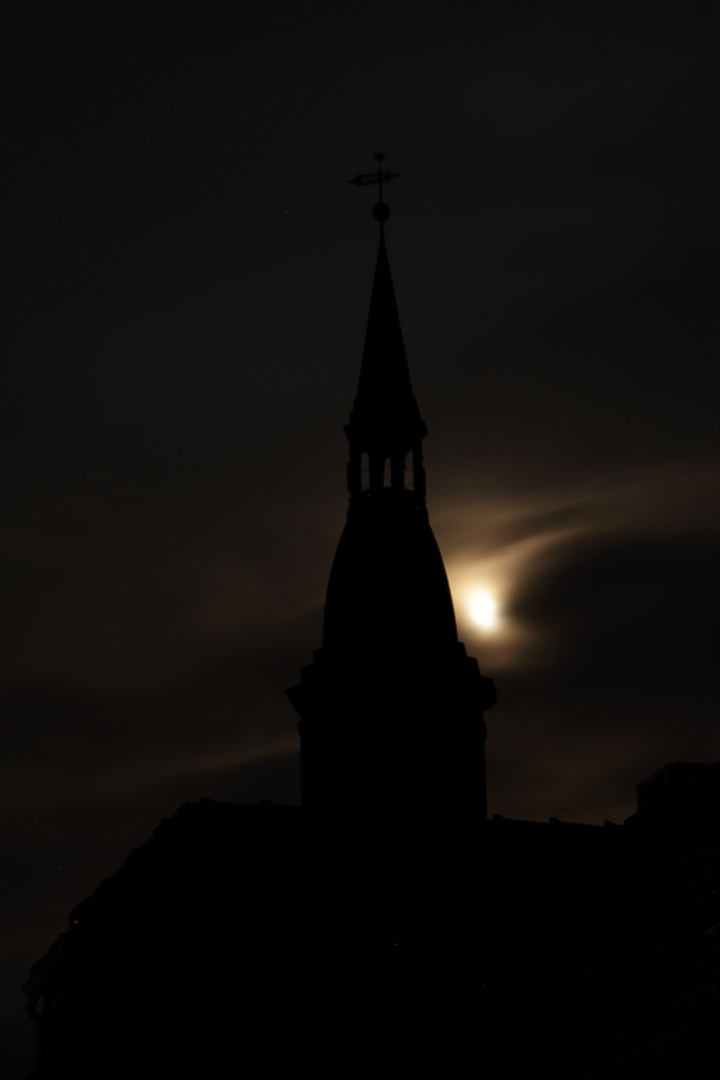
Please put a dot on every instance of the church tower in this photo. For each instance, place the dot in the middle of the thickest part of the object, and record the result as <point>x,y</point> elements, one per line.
<point>391,709</point>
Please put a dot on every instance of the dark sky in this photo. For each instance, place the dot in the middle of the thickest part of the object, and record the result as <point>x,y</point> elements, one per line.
<point>187,276</point>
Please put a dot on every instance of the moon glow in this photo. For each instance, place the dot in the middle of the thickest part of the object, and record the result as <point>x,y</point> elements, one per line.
<point>483,610</point>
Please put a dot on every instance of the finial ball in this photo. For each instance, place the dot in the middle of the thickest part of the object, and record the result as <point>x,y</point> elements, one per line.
<point>381,211</point>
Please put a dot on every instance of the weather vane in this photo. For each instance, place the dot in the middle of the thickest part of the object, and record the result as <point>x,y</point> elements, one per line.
<point>381,211</point>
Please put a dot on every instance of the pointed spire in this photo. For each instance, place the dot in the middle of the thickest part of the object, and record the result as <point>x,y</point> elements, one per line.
<point>385,415</point>
<point>385,421</point>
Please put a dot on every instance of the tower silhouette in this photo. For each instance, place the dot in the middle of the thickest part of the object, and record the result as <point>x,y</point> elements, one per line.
<point>423,943</point>
<point>391,708</point>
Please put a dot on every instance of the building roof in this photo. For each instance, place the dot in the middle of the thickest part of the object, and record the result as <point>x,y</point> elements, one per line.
<point>356,942</point>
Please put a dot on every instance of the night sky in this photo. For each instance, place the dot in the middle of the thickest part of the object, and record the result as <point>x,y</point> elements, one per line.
<point>187,281</point>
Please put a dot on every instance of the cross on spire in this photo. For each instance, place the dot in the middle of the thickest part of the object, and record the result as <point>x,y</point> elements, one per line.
<point>381,211</point>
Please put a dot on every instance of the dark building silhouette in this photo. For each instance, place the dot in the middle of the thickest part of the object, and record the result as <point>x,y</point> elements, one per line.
<point>387,928</point>
<point>391,709</point>
<point>264,941</point>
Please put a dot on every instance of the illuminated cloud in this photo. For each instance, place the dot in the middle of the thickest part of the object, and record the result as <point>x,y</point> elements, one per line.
<point>507,546</point>
<point>605,653</point>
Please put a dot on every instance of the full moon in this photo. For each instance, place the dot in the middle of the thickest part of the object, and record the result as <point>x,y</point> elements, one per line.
<point>483,610</point>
